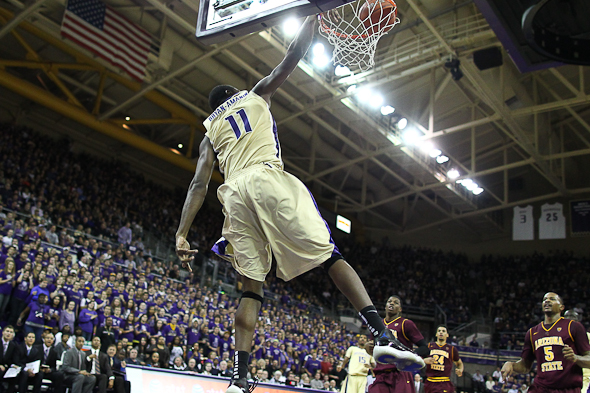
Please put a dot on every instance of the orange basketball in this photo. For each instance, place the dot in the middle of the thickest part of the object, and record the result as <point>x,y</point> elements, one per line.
<point>378,15</point>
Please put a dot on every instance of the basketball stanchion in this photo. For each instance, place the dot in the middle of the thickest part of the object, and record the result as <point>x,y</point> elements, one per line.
<point>355,29</point>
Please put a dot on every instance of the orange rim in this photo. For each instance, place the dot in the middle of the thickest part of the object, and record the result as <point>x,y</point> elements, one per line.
<point>353,36</point>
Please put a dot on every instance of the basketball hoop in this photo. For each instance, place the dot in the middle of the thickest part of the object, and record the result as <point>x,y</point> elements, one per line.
<point>355,28</point>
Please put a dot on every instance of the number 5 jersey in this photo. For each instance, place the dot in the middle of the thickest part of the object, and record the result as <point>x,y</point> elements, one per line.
<point>545,345</point>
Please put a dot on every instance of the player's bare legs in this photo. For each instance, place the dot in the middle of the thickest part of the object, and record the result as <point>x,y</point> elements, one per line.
<point>351,286</point>
<point>245,323</point>
<point>247,315</point>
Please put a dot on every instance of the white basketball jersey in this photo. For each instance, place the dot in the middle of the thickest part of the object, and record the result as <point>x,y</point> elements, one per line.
<point>523,223</point>
<point>243,132</point>
<point>552,221</point>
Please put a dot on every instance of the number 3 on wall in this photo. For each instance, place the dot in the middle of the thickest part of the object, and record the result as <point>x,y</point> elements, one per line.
<point>234,125</point>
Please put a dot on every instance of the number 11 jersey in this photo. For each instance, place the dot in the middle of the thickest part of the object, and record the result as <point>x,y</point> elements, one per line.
<point>243,133</point>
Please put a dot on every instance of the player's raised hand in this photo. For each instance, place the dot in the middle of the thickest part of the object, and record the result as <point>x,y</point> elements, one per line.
<point>569,354</point>
<point>458,371</point>
<point>369,346</point>
<point>184,252</point>
<point>507,369</point>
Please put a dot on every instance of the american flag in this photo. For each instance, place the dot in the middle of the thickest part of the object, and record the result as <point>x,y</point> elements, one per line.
<point>98,28</point>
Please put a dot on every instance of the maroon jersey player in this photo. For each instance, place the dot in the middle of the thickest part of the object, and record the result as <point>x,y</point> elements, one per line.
<point>440,363</point>
<point>560,347</point>
<point>388,379</point>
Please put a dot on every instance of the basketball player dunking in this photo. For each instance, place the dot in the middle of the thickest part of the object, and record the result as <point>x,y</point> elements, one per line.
<point>560,347</point>
<point>388,377</point>
<point>440,363</point>
<point>269,212</point>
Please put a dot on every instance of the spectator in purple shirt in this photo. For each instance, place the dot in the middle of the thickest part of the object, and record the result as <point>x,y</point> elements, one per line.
<point>7,281</point>
<point>171,330</point>
<point>37,312</point>
<point>68,316</point>
<point>312,364</point>
<point>88,320</point>
<point>41,288</point>
<point>20,293</point>
<point>125,234</point>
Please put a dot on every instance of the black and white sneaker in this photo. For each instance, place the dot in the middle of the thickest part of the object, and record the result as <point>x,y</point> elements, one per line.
<point>388,350</point>
<point>241,386</point>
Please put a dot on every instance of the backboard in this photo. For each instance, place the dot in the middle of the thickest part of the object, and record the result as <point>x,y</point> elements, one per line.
<point>222,20</point>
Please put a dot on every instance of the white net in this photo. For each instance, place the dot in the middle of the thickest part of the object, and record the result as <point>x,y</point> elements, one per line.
<point>355,29</point>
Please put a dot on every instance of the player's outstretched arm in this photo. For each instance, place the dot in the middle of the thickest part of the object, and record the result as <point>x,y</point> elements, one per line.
<point>521,367</point>
<point>194,199</point>
<point>297,49</point>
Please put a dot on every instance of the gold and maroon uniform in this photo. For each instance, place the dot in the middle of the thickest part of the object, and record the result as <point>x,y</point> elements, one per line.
<point>544,343</point>
<point>388,379</point>
<point>438,374</point>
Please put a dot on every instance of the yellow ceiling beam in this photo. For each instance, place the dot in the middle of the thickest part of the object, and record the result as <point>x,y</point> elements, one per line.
<point>46,64</point>
<point>43,97</point>
<point>172,120</point>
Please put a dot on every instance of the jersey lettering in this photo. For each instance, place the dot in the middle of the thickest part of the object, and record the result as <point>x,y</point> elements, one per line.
<point>549,355</point>
<point>438,358</point>
<point>234,125</point>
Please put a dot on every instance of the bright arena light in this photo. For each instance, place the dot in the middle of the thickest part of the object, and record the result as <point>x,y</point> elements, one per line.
<point>351,88</point>
<point>477,191</point>
<point>434,153</point>
<point>376,100</point>
<point>318,49</point>
<point>363,94</point>
<point>342,70</point>
<point>180,145</point>
<point>321,61</point>
<point>402,123</point>
<point>453,174</point>
<point>290,27</point>
<point>387,110</point>
<point>127,118</point>
<point>426,146</point>
<point>411,136</point>
<point>442,159</point>
<point>471,186</point>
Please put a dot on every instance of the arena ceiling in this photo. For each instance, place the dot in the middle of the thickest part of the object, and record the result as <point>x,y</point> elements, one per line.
<point>523,137</point>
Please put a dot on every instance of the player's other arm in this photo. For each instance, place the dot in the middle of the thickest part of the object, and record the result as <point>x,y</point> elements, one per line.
<point>580,338</point>
<point>297,49</point>
<point>525,363</point>
<point>194,199</point>
<point>581,360</point>
<point>459,367</point>
<point>345,362</point>
<point>523,366</point>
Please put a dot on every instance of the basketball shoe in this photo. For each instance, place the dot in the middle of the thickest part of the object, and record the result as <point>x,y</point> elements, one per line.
<point>241,386</point>
<point>388,350</point>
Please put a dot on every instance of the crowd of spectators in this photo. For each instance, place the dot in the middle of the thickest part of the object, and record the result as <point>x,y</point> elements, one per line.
<point>72,262</point>
<point>495,383</point>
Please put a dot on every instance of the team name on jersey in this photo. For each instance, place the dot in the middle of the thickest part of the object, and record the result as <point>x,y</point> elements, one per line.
<point>554,340</point>
<point>223,107</point>
<point>549,364</point>
<point>439,352</point>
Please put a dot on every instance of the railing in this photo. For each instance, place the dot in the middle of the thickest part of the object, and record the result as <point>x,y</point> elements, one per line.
<point>425,44</point>
<point>158,256</point>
